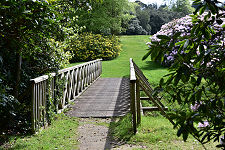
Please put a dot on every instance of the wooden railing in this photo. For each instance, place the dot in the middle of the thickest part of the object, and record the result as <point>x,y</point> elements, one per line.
<point>139,82</point>
<point>135,104</point>
<point>75,80</point>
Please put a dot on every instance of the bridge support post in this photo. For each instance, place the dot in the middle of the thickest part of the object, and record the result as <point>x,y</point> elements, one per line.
<point>138,102</point>
<point>133,105</point>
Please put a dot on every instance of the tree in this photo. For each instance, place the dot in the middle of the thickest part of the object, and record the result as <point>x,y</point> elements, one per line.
<point>196,79</point>
<point>143,15</point>
<point>160,16</point>
<point>105,17</point>
<point>135,28</point>
<point>150,18</point>
<point>33,41</point>
<point>182,6</point>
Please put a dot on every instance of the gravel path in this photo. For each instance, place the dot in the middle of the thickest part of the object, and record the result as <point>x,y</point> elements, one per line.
<point>95,135</point>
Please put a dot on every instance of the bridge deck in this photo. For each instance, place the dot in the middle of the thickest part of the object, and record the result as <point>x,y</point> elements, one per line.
<point>107,97</point>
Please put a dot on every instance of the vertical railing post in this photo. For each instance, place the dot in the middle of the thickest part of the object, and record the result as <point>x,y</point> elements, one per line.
<point>133,105</point>
<point>138,102</point>
<point>100,62</point>
<point>33,118</point>
<point>133,95</point>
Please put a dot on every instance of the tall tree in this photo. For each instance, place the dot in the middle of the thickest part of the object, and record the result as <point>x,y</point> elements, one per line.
<point>143,15</point>
<point>105,17</point>
<point>181,6</point>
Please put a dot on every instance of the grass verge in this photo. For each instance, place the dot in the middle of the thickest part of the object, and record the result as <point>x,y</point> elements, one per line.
<point>154,133</point>
<point>62,134</point>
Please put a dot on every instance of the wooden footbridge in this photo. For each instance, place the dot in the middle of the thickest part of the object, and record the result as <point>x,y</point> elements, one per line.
<point>92,96</point>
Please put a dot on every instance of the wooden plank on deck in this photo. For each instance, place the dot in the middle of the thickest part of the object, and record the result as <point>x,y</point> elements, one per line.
<point>107,97</point>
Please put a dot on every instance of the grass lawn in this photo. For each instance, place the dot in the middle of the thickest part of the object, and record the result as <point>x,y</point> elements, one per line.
<point>133,47</point>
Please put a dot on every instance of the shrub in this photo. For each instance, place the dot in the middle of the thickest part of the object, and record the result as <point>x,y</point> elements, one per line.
<point>180,27</point>
<point>197,75</point>
<point>90,46</point>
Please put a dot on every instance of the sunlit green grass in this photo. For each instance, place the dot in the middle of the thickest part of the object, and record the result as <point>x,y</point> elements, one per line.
<point>133,47</point>
<point>61,134</point>
<point>155,133</point>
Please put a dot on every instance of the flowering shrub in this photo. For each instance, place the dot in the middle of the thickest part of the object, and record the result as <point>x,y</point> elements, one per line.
<point>182,27</point>
<point>90,46</point>
<point>194,48</point>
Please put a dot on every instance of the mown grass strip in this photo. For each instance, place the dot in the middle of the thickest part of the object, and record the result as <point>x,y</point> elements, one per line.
<point>133,47</point>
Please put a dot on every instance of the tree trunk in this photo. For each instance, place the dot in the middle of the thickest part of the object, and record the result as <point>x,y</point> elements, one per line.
<point>17,75</point>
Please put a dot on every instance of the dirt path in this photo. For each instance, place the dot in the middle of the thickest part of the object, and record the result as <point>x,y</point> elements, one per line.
<point>94,134</point>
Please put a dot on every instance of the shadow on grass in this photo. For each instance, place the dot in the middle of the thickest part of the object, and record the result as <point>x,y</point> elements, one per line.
<point>120,131</point>
<point>8,140</point>
<point>151,65</point>
<point>120,128</point>
<point>10,133</point>
<point>126,76</point>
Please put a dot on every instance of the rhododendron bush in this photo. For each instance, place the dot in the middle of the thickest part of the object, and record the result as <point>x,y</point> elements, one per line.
<point>182,27</point>
<point>193,49</point>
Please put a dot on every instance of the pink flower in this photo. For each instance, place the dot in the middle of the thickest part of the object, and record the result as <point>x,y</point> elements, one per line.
<point>203,125</point>
<point>195,106</point>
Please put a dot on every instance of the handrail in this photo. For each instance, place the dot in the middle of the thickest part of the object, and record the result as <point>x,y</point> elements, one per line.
<point>132,71</point>
<point>137,81</point>
<point>75,79</point>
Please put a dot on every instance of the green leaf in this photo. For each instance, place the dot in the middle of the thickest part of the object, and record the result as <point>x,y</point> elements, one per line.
<point>154,42</point>
<point>219,21</point>
<point>193,80</point>
<point>163,37</point>
<point>197,9</point>
<point>198,95</point>
<point>185,136</point>
<point>207,34</point>
<point>177,79</point>
<point>179,132</point>
<point>146,55</point>
<point>202,10</point>
<point>176,35</point>
<point>212,8</point>
<point>161,81</point>
<point>180,43</point>
<point>223,26</point>
<point>169,80</point>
